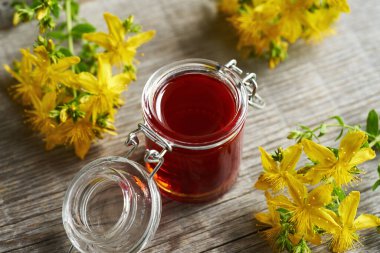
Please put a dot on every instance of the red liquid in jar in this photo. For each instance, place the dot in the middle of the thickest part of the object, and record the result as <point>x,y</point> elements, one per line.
<point>195,109</point>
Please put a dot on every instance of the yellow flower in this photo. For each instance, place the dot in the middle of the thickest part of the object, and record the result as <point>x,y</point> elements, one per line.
<point>272,219</point>
<point>229,7</point>
<point>343,167</point>
<point>344,233</point>
<point>50,73</point>
<point>306,207</point>
<point>255,26</point>
<point>27,89</point>
<point>39,116</point>
<point>119,51</point>
<point>105,90</point>
<point>276,173</point>
<point>78,134</point>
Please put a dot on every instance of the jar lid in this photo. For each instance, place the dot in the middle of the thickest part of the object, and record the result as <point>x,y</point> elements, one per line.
<point>112,205</point>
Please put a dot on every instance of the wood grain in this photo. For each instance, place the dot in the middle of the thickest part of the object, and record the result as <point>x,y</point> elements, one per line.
<point>338,76</point>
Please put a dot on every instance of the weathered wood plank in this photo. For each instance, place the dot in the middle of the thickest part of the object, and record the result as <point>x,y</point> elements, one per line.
<point>338,76</point>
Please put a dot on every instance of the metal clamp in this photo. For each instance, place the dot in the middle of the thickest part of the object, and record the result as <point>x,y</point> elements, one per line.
<point>151,156</point>
<point>250,84</point>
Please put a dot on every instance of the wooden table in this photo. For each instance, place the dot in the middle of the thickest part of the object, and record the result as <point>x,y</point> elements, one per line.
<point>338,76</point>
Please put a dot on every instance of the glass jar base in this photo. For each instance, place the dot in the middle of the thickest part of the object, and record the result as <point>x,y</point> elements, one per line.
<point>197,198</point>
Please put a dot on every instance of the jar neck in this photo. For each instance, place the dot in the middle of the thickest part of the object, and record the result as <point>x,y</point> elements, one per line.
<point>225,76</point>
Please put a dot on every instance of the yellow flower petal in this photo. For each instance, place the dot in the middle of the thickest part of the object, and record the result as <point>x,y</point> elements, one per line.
<point>323,219</point>
<point>320,196</point>
<point>119,82</point>
<point>362,156</point>
<point>104,70</point>
<point>139,39</point>
<point>100,38</point>
<point>340,5</point>
<point>69,79</point>
<point>54,139</point>
<point>348,208</point>
<point>115,26</point>
<point>291,29</point>
<point>291,155</point>
<point>313,176</point>
<point>281,201</point>
<point>296,189</point>
<point>82,147</point>
<point>262,184</point>
<point>275,181</point>
<point>88,82</point>
<point>350,144</point>
<point>318,153</point>
<point>229,7</point>
<point>366,221</point>
<point>328,221</point>
<point>128,49</point>
<point>10,71</point>
<point>65,63</point>
<point>41,53</point>
<point>267,161</point>
<point>264,218</point>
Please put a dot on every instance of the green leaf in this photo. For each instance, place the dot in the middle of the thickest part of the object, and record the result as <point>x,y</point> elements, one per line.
<point>338,191</point>
<point>373,123</point>
<point>378,169</point>
<point>74,10</point>
<point>305,128</point>
<point>57,35</point>
<point>66,52</point>
<point>294,134</point>
<point>322,130</point>
<point>301,247</point>
<point>282,210</point>
<point>375,185</point>
<point>340,135</point>
<point>55,10</point>
<point>81,29</point>
<point>339,119</point>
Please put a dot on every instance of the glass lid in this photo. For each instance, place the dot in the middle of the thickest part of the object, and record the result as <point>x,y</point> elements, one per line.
<point>111,206</point>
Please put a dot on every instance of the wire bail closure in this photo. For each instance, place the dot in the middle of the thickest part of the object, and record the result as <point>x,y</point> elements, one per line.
<point>151,156</point>
<point>249,82</point>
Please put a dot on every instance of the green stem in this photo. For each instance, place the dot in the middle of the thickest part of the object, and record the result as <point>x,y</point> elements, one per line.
<point>70,41</point>
<point>373,143</point>
<point>69,26</point>
<point>344,126</point>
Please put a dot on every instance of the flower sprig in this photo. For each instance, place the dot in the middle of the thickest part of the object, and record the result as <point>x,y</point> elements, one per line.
<point>266,28</point>
<point>310,204</point>
<point>371,131</point>
<point>72,99</point>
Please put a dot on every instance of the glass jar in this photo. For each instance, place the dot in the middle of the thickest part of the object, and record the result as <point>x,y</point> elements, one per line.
<point>200,108</point>
<point>194,115</point>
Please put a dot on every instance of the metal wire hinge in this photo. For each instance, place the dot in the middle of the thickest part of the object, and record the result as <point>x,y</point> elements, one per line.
<point>151,156</point>
<point>249,82</point>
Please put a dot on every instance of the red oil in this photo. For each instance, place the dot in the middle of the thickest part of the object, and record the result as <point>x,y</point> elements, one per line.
<point>196,110</point>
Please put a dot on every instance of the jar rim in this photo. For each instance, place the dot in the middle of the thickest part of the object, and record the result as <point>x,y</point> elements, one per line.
<point>197,65</point>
